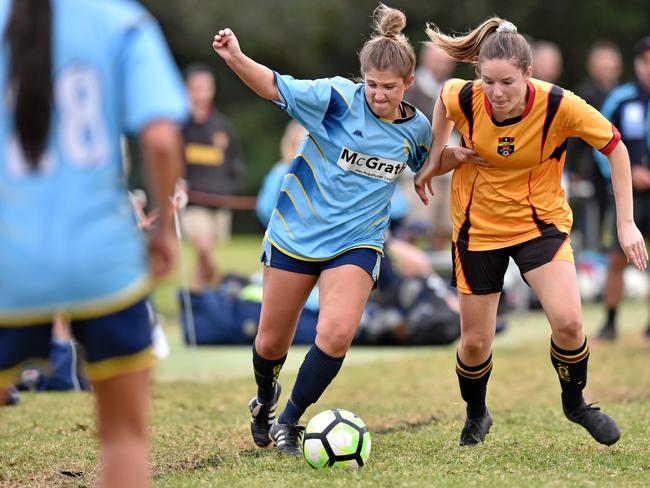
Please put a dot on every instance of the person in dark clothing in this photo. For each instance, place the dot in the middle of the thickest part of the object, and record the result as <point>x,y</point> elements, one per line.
<point>627,108</point>
<point>214,165</point>
<point>604,67</point>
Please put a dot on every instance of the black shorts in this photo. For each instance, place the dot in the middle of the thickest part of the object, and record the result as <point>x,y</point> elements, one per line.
<point>482,272</point>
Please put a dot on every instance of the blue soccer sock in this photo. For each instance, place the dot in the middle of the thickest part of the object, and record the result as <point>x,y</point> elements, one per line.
<point>316,373</point>
<point>266,375</point>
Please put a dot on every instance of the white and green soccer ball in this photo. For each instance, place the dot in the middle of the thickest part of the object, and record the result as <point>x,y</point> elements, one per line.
<point>336,438</point>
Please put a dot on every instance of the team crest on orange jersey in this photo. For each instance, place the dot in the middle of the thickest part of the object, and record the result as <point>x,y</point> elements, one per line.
<point>506,146</point>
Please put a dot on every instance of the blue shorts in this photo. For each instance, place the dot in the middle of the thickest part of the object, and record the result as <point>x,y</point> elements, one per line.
<point>365,258</point>
<point>114,344</point>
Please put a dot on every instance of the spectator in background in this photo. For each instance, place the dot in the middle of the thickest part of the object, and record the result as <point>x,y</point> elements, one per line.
<point>213,165</point>
<point>547,61</point>
<point>434,68</point>
<point>627,108</point>
<point>604,68</point>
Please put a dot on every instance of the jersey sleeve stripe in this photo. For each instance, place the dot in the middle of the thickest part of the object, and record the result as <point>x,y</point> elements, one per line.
<point>609,147</point>
<point>283,100</point>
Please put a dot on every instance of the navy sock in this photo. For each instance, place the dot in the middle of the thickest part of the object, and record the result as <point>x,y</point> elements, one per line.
<point>316,373</point>
<point>266,375</point>
<point>473,382</point>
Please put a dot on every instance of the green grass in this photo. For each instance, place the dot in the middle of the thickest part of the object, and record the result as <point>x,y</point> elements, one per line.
<point>408,397</point>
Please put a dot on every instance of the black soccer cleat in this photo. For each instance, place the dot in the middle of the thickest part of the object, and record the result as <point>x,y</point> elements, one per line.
<point>598,424</point>
<point>607,333</point>
<point>475,429</point>
<point>262,416</point>
<point>287,438</point>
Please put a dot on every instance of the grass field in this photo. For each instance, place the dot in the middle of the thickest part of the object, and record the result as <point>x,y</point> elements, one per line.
<point>408,397</point>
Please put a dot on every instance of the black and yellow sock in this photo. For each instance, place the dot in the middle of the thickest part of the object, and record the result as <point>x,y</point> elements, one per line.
<point>473,385</point>
<point>571,367</point>
<point>266,375</point>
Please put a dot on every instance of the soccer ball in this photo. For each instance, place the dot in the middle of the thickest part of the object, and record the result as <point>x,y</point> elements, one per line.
<point>336,438</point>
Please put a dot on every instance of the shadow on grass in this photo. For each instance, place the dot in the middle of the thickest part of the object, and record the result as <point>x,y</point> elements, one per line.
<point>189,465</point>
<point>255,452</point>
<point>408,425</point>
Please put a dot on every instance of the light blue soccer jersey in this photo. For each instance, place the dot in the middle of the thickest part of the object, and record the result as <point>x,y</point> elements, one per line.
<point>68,236</point>
<point>336,194</point>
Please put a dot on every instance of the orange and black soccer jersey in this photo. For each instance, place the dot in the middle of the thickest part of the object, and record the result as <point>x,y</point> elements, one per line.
<point>519,197</point>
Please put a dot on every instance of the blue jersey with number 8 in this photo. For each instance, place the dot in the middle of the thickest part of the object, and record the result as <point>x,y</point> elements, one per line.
<point>68,237</point>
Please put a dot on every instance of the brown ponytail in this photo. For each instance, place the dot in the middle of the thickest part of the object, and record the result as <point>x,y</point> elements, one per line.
<point>28,35</point>
<point>485,42</point>
<point>388,48</point>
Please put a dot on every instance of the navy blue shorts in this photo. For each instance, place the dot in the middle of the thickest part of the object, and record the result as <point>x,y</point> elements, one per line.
<point>114,344</point>
<point>365,258</point>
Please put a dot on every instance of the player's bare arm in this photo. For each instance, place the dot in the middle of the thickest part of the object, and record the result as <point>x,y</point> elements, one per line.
<point>257,77</point>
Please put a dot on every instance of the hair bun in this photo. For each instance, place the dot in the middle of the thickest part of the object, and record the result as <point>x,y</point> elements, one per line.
<point>389,22</point>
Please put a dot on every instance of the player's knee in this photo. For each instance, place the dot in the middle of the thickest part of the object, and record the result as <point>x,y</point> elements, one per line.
<point>476,345</point>
<point>335,336</point>
<point>568,326</point>
<point>271,346</point>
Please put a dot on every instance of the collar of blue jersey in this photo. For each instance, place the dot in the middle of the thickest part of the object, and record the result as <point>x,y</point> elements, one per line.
<point>404,108</point>
<point>644,93</point>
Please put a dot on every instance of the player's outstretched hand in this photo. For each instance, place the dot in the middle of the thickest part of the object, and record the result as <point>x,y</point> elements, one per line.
<point>226,45</point>
<point>633,245</point>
